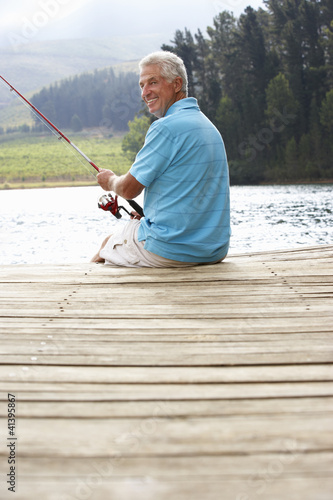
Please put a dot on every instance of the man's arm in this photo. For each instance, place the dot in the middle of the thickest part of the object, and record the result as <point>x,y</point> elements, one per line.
<point>125,186</point>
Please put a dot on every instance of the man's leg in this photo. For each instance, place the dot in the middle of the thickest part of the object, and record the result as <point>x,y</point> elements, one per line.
<point>96,257</point>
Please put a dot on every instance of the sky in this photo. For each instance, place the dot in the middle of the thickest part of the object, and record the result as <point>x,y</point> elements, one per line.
<point>24,21</point>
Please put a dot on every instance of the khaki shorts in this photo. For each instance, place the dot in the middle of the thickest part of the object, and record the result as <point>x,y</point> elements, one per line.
<point>124,249</point>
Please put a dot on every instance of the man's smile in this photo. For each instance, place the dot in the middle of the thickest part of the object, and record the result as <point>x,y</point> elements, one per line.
<point>149,101</point>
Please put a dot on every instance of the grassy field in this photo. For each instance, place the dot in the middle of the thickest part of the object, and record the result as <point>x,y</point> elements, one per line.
<point>41,161</point>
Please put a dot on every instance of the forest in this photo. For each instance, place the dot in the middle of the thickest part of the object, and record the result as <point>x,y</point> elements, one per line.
<point>98,99</point>
<point>265,80</point>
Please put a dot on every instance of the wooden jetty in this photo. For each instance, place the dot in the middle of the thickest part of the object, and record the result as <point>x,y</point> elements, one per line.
<point>210,383</point>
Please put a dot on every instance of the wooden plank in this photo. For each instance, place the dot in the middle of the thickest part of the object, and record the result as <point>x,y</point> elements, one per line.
<point>105,347</point>
<point>222,467</point>
<point>147,488</point>
<point>195,275</point>
<point>177,436</point>
<point>40,336</point>
<point>163,375</point>
<point>227,298</point>
<point>169,353</point>
<point>236,326</point>
<point>36,406</point>
<point>300,253</point>
<point>187,308</point>
<point>185,311</point>
<point>56,291</point>
<point>165,392</point>
<point>178,357</point>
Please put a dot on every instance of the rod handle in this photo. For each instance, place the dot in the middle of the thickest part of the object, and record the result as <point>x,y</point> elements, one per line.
<point>136,207</point>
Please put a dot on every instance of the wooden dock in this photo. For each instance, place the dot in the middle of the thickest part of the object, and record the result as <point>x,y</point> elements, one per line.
<point>211,383</point>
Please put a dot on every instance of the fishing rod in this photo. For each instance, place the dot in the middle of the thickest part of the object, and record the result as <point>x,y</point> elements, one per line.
<point>112,207</point>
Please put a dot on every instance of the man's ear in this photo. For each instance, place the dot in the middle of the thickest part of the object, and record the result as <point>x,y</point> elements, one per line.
<point>178,82</point>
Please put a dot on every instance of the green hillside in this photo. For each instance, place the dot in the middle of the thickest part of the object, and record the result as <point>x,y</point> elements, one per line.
<point>41,161</point>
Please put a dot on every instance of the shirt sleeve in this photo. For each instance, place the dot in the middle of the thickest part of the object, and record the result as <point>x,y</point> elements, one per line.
<point>156,154</point>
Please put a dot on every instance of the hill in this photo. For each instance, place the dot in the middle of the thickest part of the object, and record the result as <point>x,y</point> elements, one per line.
<point>33,66</point>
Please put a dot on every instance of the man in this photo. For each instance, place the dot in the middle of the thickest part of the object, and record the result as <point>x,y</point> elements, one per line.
<point>183,171</point>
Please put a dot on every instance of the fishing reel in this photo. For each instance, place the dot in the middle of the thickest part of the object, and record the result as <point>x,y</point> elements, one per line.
<point>108,203</point>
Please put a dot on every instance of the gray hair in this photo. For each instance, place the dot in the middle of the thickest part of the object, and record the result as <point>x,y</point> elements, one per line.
<point>171,66</point>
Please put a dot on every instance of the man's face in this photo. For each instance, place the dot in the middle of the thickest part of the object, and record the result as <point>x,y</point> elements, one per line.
<point>157,92</point>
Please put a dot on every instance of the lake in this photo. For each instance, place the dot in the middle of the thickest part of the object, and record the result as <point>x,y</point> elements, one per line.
<point>65,225</point>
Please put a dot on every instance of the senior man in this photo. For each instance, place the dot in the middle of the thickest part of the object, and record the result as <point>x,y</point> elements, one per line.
<point>182,168</point>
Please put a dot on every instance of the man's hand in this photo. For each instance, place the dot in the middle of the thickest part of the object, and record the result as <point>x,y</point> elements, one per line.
<point>135,215</point>
<point>125,186</point>
<point>105,179</point>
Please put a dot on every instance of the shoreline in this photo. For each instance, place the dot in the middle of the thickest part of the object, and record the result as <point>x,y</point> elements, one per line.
<point>44,185</point>
<point>295,183</point>
<point>54,184</point>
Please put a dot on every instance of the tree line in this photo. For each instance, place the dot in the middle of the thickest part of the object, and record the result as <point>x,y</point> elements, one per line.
<point>99,99</point>
<point>266,82</point>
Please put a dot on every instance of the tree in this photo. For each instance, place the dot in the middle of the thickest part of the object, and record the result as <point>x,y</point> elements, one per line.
<point>134,139</point>
<point>207,81</point>
<point>184,47</point>
<point>281,106</point>
<point>326,120</point>
<point>326,113</point>
<point>251,60</point>
<point>300,26</point>
<point>291,162</point>
<point>228,121</point>
<point>227,75</point>
<point>281,115</point>
<point>222,36</point>
<point>76,124</point>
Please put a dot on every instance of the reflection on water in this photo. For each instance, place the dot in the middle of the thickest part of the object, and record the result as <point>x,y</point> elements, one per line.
<point>64,224</point>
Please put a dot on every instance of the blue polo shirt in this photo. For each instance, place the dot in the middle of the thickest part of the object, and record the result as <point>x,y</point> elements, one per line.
<point>184,169</point>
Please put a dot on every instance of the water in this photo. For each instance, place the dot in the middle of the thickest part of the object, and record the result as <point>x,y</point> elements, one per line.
<point>281,217</point>
<point>64,225</point>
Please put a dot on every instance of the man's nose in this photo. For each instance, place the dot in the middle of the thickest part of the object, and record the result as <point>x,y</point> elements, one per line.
<point>144,91</point>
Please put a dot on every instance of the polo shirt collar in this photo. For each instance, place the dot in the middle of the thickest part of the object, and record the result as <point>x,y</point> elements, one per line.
<point>188,102</point>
